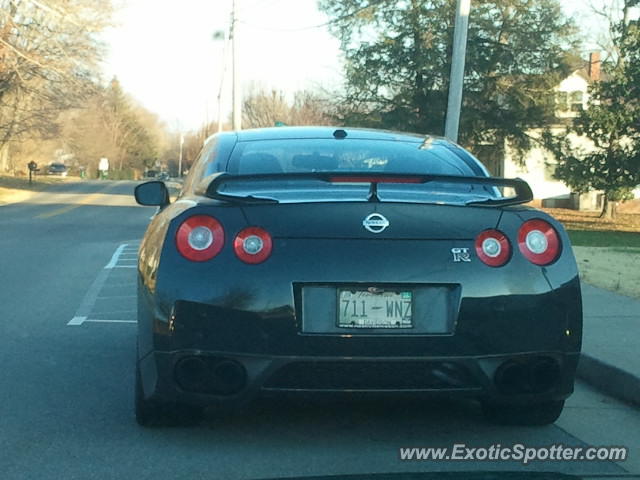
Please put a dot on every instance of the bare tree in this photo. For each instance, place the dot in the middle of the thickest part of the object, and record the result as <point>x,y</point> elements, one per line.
<point>114,125</point>
<point>49,56</point>
<point>613,13</point>
<point>311,109</point>
<point>264,108</point>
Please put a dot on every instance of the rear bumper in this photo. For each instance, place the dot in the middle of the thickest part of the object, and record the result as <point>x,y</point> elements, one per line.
<point>502,348</point>
<point>191,376</point>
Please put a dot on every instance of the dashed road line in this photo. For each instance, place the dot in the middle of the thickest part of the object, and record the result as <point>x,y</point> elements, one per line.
<point>111,312</point>
<point>116,296</point>
<point>97,320</point>
<point>116,255</point>
<point>90,298</point>
<point>75,321</point>
<point>97,292</point>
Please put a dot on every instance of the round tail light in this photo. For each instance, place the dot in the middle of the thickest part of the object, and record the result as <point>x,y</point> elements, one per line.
<point>253,245</point>
<point>539,242</point>
<point>493,248</point>
<point>200,238</point>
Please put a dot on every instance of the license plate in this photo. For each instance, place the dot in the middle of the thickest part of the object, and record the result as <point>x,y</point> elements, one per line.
<point>375,308</point>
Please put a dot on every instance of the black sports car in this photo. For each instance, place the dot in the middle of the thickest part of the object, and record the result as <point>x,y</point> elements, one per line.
<point>352,261</point>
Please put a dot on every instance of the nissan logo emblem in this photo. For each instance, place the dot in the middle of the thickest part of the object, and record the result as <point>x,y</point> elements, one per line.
<point>375,223</point>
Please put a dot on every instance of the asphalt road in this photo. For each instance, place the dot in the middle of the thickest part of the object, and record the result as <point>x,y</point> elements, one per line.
<point>67,353</point>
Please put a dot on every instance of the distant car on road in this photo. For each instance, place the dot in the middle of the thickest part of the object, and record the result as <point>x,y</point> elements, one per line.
<point>163,176</point>
<point>58,169</point>
<point>323,261</point>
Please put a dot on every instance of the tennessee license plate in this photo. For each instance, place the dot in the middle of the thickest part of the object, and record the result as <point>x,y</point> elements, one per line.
<point>375,308</point>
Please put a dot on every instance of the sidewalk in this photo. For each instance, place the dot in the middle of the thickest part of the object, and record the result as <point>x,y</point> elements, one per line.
<point>611,343</point>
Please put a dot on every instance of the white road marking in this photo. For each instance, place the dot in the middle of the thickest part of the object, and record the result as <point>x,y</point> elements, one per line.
<point>96,320</point>
<point>114,259</point>
<point>101,297</point>
<point>111,312</point>
<point>90,298</point>
<point>77,321</point>
<point>85,310</point>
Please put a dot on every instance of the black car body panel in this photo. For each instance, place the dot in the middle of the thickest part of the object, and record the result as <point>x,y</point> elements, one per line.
<point>270,327</point>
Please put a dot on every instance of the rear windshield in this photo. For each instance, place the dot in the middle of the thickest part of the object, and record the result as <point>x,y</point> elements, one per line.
<point>349,155</point>
<point>377,157</point>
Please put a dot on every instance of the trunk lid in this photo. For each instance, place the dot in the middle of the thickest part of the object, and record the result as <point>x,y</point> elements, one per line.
<point>345,220</point>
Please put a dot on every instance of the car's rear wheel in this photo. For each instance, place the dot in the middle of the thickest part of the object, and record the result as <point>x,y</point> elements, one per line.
<point>543,413</point>
<point>151,413</point>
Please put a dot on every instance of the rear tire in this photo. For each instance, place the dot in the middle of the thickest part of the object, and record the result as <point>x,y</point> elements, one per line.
<point>535,414</point>
<point>151,413</point>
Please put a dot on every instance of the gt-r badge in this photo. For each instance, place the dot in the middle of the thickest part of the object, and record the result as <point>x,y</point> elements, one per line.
<point>375,223</point>
<point>461,255</point>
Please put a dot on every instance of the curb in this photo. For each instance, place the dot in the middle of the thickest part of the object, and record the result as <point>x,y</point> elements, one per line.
<point>611,380</point>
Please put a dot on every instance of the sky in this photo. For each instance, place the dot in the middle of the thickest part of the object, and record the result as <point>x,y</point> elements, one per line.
<point>165,55</point>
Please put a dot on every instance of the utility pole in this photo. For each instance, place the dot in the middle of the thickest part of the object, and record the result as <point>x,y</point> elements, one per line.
<point>456,79</point>
<point>237,93</point>
<point>180,157</point>
<point>221,35</point>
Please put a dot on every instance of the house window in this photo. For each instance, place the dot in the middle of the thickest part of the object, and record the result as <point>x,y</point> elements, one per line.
<point>570,101</point>
<point>575,100</point>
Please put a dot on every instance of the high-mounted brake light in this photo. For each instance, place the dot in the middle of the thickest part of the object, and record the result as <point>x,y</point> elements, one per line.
<point>200,238</point>
<point>356,179</point>
<point>539,242</point>
<point>253,245</point>
<point>493,248</point>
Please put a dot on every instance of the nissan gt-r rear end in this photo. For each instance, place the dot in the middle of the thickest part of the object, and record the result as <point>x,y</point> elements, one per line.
<point>324,261</point>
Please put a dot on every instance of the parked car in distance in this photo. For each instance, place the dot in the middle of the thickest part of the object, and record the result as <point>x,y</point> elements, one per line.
<point>58,169</point>
<point>343,261</point>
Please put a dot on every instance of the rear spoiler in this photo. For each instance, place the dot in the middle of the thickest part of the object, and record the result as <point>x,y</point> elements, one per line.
<point>210,186</point>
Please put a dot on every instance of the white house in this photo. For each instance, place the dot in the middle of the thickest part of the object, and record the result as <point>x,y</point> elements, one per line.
<point>538,165</point>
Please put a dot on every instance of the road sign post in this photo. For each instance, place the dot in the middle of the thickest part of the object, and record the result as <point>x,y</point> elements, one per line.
<point>103,167</point>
